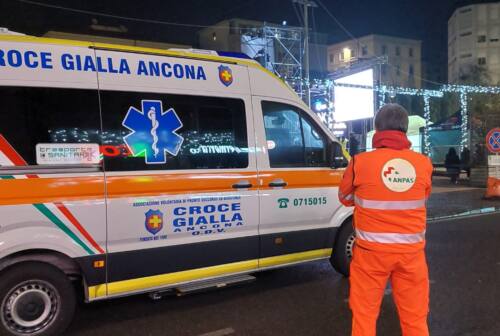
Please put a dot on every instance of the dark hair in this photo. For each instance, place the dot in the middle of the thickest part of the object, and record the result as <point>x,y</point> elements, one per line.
<point>392,117</point>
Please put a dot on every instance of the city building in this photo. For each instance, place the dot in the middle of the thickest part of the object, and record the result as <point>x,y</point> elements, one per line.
<point>401,58</point>
<point>278,47</point>
<point>474,44</point>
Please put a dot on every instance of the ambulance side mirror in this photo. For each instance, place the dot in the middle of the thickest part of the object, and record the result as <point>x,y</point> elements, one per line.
<point>337,158</point>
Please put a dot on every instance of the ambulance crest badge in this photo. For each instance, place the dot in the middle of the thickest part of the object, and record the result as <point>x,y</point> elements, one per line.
<point>225,75</point>
<point>154,221</point>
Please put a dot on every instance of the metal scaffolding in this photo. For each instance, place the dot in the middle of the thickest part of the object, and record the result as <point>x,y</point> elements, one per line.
<point>278,48</point>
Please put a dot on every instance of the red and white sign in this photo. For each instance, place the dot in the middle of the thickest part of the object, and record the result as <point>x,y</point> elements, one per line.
<point>493,140</point>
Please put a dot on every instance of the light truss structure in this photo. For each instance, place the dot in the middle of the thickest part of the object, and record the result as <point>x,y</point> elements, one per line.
<point>281,49</point>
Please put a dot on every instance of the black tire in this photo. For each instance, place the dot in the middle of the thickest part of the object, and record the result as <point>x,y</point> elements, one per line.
<point>342,249</point>
<point>36,299</point>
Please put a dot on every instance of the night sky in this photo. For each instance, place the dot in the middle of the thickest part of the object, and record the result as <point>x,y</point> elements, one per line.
<point>421,19</point>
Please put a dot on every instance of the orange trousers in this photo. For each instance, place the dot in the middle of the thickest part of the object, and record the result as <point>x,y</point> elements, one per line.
<point>408,273</point>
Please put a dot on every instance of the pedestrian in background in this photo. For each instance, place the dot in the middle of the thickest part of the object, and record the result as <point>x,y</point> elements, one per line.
<point>452,165</point>
<point>389,187</point>
<point>353,145</point>
<point>465,161</point>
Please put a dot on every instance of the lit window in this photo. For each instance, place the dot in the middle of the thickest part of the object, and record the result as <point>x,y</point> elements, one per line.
<point>348,54</point>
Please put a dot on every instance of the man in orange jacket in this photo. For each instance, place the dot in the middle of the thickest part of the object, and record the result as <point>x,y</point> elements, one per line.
<point>389,187</point>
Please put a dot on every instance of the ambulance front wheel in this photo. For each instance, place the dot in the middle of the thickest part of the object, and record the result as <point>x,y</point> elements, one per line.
<point>36,299</point>
<point>343,247</point>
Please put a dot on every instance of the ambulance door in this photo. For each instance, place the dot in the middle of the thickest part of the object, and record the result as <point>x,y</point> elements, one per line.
<point>181,173</point>
<point>298,196</point>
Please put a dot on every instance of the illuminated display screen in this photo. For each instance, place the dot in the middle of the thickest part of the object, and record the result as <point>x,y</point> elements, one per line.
<point>352,103</point>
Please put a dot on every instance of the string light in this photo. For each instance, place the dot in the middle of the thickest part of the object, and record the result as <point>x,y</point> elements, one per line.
<point>464,91</point>
<point>427,117</point>
<point>464,134</point>
<point>426,94</point>
<point>382,90</point>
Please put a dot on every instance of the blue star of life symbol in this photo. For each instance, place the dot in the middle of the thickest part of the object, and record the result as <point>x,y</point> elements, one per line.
<point>153,132</point>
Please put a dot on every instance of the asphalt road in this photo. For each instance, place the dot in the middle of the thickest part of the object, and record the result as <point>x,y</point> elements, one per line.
<point>311,299</point>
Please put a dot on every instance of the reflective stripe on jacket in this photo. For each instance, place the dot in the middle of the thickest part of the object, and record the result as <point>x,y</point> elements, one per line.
<point>388,188</point>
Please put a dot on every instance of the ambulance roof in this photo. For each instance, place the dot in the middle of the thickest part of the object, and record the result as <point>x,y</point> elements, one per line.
<point>195,54</point>
<point>200,54</point>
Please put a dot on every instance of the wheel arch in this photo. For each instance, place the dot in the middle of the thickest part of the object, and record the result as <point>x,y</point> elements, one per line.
<point>57,259</point>
<point>344,222</point>
<point>342,247</point>
<point>341,216</point>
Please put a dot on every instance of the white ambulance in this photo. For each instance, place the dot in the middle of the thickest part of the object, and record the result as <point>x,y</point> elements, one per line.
<point>127,170</point>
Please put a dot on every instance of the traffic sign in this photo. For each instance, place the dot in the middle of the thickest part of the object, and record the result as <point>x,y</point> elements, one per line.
<point>493,140</point>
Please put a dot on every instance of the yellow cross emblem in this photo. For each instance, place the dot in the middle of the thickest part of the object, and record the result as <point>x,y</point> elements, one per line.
<point>155,222</point>
<point>226,75</point>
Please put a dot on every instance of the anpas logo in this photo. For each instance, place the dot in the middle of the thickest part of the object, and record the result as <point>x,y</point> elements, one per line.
<point>225,75</point>
<point>398,175</point>
<point>153,132</point>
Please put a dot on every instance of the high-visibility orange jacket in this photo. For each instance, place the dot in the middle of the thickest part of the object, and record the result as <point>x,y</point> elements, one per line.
<point>389,188</point>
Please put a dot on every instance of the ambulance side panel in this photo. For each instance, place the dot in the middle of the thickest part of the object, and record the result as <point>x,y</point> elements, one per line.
<point>57,207</point>
<point>191,214</point>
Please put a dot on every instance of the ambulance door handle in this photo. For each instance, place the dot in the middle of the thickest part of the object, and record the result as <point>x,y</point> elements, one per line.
<point>243,184</point>
<point>278,183</point>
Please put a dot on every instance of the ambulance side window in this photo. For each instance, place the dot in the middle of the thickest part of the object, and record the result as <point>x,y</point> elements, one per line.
<point>315,144</point>
<point>293,138</point>
<point>32,116</point>
<point>191,132</point>
<point>283,134</point>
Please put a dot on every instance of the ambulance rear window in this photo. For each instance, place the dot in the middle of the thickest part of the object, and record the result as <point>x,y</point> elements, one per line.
<point>190,132</point>
<point>63,121</point>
